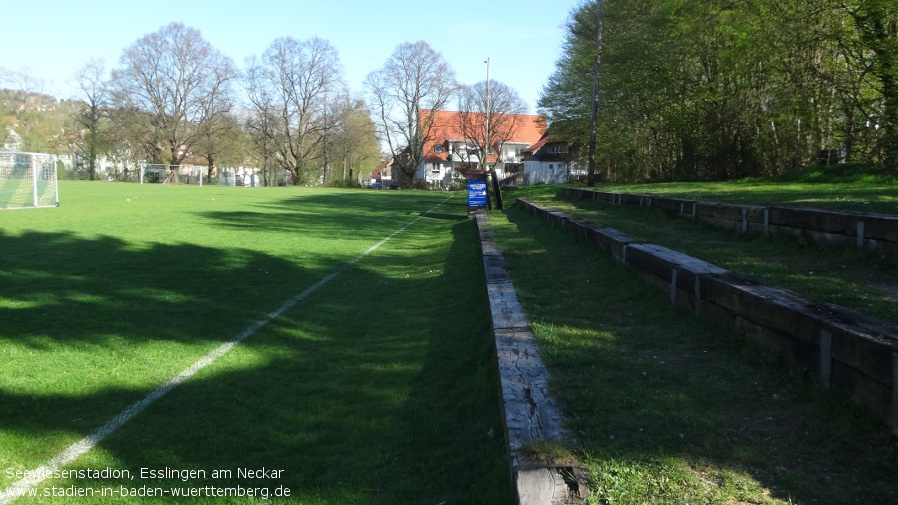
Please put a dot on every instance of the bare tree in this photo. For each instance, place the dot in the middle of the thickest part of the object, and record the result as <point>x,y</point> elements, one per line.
<point>261,120</point>
<point>289,85</point>
<point>5,76</point>
<point>414,83</point>
<point>23,84</point>
<point>489,111</point>
<point>90,140</point>
<point>262,133</point>
<point>172,83</point>
<point>24,81</point>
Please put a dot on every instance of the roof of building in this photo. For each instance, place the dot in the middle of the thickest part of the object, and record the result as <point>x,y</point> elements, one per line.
<point>381,170</point>
<point>447,125</point>
<point>547,138</point>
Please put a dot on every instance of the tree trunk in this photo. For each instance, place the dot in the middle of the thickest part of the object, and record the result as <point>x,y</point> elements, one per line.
<point>174,166</point>
<point>591,164</point>
<point>92,161</point>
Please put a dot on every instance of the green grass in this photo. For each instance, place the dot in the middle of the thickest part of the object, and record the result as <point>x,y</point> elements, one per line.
<point>855,188</point>
<point>379,387</point>
<point>668,409</point>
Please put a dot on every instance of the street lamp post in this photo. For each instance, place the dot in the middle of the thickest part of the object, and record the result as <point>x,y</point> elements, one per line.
<point>486,149</point>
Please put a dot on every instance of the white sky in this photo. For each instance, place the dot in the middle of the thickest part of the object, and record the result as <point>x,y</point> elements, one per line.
<point>522,38</point>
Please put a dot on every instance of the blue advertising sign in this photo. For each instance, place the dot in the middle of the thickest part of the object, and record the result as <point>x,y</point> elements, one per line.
<point>476,194</point>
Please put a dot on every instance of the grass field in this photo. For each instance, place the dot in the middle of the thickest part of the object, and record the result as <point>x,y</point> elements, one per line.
<point>376,386</point>
<point>372,379</point>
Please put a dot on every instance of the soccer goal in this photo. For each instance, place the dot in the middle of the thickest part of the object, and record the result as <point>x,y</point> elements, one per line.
<point>164,174</point>
<point>156,174</point>
<point>28,180</point>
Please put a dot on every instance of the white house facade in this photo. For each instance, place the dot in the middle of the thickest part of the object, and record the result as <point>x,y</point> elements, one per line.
<point>546,161</point>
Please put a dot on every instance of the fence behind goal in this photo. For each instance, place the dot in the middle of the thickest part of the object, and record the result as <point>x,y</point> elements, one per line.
<point>28,180</point>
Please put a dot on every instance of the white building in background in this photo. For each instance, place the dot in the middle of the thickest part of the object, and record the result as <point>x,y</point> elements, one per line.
<point>11,141</point>
<point>241,176</point>
<point>546,161</point>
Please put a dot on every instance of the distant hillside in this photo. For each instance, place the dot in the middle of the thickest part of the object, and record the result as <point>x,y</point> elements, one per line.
<point>39,119</point>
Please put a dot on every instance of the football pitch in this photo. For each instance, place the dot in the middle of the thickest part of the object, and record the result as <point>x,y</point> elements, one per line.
<point>185,344</point>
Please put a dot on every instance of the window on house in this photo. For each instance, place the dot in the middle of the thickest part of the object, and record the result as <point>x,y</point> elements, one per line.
<point>556,149</point>
<point>435,168</point>
<point>437,148</point>
<point>551,166</point>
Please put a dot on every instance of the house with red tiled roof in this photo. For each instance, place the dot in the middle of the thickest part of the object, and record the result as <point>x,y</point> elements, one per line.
<point>380,175</point>
<point>455,138</point>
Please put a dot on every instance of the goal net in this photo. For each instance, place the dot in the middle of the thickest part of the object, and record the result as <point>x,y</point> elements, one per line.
<point>28,180</point>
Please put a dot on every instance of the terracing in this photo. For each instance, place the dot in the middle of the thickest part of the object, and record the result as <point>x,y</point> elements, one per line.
<point>847,349</point>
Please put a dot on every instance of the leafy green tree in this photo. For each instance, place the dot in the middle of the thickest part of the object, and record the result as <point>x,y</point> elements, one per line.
<point>715,89</point>
<point>222,141</point>
<point>877,28</point>
<point>353,144</point>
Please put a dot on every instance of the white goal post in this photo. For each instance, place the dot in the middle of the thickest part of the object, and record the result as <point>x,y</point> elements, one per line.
<point>28,180</point>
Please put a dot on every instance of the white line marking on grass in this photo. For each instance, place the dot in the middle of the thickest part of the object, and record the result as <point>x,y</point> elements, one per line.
<point>35,477</point>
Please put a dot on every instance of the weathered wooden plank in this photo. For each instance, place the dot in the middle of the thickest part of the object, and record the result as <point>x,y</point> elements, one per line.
<point>775,308</point>
<point>862,389</point>
<point>529,411</point>
<point>860,341</point>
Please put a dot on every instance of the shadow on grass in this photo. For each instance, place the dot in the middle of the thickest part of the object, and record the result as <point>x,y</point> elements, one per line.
<point>667,408</point>
<point>378,388</point>
<point>62,289</point>
<point>369,216</point>
<point>89,326</point>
